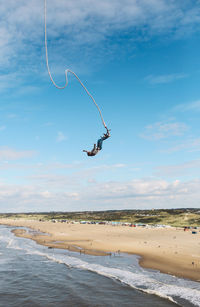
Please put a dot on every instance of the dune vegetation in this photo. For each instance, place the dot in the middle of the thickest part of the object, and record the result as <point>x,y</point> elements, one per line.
<point>173,217</point>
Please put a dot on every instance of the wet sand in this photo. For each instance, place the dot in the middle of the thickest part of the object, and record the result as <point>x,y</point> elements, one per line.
<point>171,251</point>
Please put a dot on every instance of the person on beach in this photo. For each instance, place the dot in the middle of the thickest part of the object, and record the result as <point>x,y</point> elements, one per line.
<point>98,147</point>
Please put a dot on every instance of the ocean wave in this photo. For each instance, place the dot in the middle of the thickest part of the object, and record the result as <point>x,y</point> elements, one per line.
<point>137,280</point>
<point>167,287</point>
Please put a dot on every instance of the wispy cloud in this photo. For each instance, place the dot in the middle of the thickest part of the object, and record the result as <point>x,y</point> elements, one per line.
<point>162,130</point>
<point>9,80</point>
<point>11,116</point>
<point>11,154</point>
<point>181,169</point>
<point>18,81</point>
<point>40,167</point>
<point>188,144</point>
<point>89,23</point>
<point>61,137</point>
<point>2,128</point>
<point>48,124</point>
<point>190,106</point>
<point>77,174</point>
<point>162,79</point>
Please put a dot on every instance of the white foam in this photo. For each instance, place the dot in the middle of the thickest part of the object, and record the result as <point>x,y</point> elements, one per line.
<point>137,280</point>
<point>4,239</point>
<point>11,241</point>
<point>9,245</point>
<point>13,244</point>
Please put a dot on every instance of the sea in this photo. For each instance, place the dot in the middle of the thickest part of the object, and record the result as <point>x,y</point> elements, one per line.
<point>32,275</point>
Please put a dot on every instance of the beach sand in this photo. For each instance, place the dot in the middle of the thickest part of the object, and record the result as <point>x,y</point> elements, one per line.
<point>168,250</point>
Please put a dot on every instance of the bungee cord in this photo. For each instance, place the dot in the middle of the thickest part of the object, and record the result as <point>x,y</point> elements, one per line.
<point>67,70</point>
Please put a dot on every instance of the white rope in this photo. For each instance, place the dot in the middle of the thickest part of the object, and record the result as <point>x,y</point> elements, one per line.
<point>67,70</point>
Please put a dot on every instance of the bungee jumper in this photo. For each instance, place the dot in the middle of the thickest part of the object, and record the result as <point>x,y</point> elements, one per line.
<point>98,147</point>
<point>93,152</point>
<point>106,135</point>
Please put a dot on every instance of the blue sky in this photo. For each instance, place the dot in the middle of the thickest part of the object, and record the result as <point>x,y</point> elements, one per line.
<point>140,61</point>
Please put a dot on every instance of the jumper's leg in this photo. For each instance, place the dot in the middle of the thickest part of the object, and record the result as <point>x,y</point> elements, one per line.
<point>99,144</point>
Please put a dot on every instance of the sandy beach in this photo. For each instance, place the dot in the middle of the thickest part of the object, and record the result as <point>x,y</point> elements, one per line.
<point>168,250</point>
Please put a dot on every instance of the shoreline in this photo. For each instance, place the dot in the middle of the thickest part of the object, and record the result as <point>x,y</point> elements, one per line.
<point>41,240</point>
<point>170,251</point>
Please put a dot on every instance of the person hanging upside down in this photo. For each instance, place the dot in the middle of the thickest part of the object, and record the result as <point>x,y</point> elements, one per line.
<point>98,147</point>
<point>93,152</point>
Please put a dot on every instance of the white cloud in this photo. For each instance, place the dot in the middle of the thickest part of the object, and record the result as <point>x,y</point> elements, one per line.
<point>72,187</point>
<point>9,80</point>
<point>61,137</point>
<point>162,130</point>
<point>181,169</point>
<point>75,175</point>
<point>12,115</point>
<point>162,79</point>
<point>16,80</point>
<point>48,124</point>
<point>143,193</point>
<point>28,198</point>
<point>72,24</point>
<point>191,106</point>
<point>188,144</point>
<point>11,154</point>
<point>2,128</point>
<point>42,167</point>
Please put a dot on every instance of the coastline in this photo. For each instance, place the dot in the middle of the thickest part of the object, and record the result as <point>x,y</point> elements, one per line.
<point>170,251</point>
